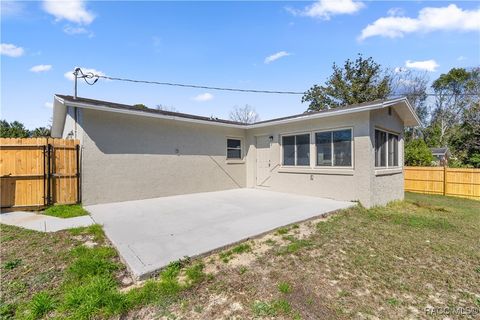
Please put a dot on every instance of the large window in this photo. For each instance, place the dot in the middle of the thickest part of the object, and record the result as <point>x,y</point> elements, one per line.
<point>296,150</point>
<point>334,148</point>
<point>234,149</point>
<point>386,149</point>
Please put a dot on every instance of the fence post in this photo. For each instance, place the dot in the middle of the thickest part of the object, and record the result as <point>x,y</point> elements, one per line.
<point>49,173</point>
<point>444,179</point>
<point>79,194</point>
<point>45,192</point>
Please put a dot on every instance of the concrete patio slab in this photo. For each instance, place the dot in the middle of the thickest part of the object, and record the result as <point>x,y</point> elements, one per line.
<point>153,232</point>
<point>43,223</point>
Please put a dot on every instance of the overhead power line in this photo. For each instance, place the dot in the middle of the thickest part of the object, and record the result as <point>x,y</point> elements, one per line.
<point>199,86</point>
<point>434,94</point>
<point>90,75</point>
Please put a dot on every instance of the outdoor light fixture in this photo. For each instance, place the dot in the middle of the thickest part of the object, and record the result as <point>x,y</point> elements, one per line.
<point>270,138</point>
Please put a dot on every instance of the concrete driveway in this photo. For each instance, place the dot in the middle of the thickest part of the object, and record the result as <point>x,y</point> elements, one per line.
<point>153,232</point>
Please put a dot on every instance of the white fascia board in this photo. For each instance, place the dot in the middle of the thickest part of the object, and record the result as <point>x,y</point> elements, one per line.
<point>410,108</point>
<point>251,126</point>
<point>151,115</point>
<point>329,113</point>
<point>59,114</point>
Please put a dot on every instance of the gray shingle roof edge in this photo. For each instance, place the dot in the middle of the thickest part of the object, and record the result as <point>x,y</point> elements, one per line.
<point>114,105</point>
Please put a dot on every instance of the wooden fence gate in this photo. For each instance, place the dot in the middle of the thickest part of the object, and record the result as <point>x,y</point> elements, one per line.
<point>37,172</point>
<point>457,182</point>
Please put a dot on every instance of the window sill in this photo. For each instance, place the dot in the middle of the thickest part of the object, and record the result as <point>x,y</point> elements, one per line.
<point>332,171</point>
<point>388,171</point>
<point>234,161</point>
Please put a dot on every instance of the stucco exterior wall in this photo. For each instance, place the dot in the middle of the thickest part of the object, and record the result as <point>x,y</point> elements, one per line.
<point>337,183</point>
<point>73,124</point>
<point>387,184</point>
<point>127,157</point>
<point>130,157</point>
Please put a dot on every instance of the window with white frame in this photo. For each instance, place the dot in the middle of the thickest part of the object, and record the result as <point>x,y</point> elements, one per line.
<point>386,149</point>
<point>296,150</point>
<point>234,148</point>
<point>334,148</point>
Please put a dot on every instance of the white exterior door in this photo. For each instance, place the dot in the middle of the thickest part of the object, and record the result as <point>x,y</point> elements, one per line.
<point>263,160</point>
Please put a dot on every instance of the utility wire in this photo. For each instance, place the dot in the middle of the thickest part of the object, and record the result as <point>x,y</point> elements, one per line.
<point>435,94</point>
<point>200,87</point>
<point>183,85</point>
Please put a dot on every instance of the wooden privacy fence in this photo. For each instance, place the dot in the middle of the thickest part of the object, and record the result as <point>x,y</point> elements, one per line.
<point>461,182</point>
<point>37,172</point>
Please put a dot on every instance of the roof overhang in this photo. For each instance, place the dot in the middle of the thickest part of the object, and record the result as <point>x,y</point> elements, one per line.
<point>61,110</point>
<point>58,118</point>
<point>401,105</point>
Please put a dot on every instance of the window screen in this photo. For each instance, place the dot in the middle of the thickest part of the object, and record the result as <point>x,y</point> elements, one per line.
<point>323,143</point>
<point>386,149</point>
<point>342,148</point>
<point>234,149</point>
<point>392,150</point>
<point>296,150</point>
<point>380,148</point>
<point>288,150</point>
<point>334,143</point>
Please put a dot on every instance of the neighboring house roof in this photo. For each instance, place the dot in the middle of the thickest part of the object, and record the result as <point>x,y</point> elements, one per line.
<point>439,151</point>
<point>401,105</point>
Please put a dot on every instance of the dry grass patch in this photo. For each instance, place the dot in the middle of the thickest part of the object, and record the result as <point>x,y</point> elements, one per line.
<point>383,263</point>
<point>388,262</point>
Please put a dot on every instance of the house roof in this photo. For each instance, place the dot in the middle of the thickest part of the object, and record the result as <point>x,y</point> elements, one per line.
<point>401,105</point>
<point>439,151</point>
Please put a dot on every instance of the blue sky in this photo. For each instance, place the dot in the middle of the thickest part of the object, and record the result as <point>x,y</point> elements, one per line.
<point>218,44</point>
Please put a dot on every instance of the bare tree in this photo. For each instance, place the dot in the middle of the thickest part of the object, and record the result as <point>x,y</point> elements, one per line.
<point>456,92</point>
<point>413,85</point>
<point>246,114</point>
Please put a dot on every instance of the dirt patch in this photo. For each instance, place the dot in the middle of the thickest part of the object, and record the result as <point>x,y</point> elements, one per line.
<point>384,263</point>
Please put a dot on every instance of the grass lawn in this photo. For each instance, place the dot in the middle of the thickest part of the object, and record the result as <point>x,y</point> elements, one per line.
<point>66,211</point>
<point>386,262</point>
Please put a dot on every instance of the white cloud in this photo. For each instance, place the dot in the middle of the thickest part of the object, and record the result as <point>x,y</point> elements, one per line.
<point>41,68</point>
<point>70,10</point>
<point>11,50</point>
<point>429,19</point>
<point>48,105</point>
<point>396,12</point>
<point>426,65</point>
<point>400,69</point>
<point>276,56</point>
<point>461,58</point>
<point>71,31</point>
<point>324,9</point>
<point>69,74</point>
<point>203,97</point>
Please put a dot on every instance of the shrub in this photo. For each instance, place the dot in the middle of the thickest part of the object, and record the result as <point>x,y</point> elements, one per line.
<point>417,153</point>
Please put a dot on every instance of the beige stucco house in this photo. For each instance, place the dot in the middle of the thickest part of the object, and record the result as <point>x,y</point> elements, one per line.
<point>128,153</point>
